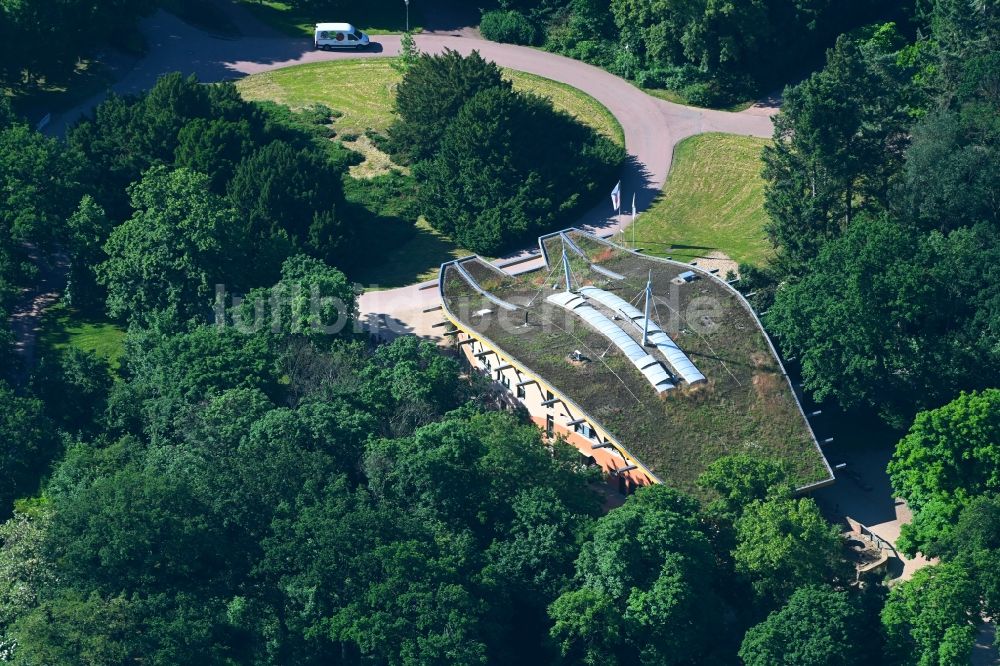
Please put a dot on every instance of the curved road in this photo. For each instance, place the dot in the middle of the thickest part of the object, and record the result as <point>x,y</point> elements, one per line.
<point>652,126</point>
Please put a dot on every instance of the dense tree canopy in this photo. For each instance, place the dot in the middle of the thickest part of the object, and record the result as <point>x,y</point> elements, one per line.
<point>838,143</point>
<point>289,197</point>
<point>43,40</point>
<point>491,185</point>
<point>932,618</point>
<point>27,443</point>
<point>431,93</point>
<point>482,174</point>
<point>711,52</point>
<point>783,544</point>
<point>311,299</point>
<point>950,455</point>
<point>40,185</point>
<point>231,527</point>
<point>883,213</point>
<point>168,257</point>
<point>278,169</point>
<point>819,626</point>
<point>943,315</point>
<point>256,483</point>
<point>644,591</point>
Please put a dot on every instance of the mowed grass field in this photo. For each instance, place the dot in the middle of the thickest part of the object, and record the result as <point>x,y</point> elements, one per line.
<point>364,92</point>
<point>713,202</point>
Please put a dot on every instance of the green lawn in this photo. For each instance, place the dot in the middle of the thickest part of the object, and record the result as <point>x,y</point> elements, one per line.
<point>713,201</point>
<point>363,90</point>
<point>417,260</point>
<point>63,327</point>
<point>375,17</point>
<point>566,98</point>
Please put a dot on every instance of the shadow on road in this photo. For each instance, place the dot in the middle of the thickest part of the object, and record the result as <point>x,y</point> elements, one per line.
<point>635,179</point>
<point>863,490</point>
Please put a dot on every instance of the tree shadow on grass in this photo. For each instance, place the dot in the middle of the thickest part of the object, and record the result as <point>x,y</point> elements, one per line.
<point>413,260</point>
<point>63,326</point>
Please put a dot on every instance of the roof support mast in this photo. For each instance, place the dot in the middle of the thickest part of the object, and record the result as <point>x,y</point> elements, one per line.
<point>565,260</point>
<point>649,298</point>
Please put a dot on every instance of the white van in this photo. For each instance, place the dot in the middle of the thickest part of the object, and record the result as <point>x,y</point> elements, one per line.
<point>339,36</point>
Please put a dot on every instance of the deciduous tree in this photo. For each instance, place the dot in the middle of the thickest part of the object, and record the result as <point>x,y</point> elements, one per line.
<point>950,455</point>
<point>783,544</point>
<point>168,257</point>
<point>932,618</point>
<point>819,626</point>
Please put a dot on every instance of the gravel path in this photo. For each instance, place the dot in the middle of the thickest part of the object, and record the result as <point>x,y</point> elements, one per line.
<point>25,321</point>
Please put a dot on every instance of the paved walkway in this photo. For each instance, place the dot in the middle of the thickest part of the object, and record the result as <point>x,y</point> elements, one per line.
<point>863,493</point>
<point>26,318</point>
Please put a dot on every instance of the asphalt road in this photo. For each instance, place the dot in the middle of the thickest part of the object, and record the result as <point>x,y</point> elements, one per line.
<point>652,126</point>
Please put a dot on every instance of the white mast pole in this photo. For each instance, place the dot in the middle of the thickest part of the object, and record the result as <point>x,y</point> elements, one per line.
<point>649,297</point>
<point>633,220</point>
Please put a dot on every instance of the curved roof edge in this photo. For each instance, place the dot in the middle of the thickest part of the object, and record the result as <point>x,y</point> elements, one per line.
<point>831,477</point>
<point>523,367</point>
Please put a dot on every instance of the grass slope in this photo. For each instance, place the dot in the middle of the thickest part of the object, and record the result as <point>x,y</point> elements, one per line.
<point>713,201</point>
<point>363,90</point>
<point>566,98</point>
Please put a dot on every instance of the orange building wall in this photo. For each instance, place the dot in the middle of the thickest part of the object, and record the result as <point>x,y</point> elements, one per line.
<point>609,458</point>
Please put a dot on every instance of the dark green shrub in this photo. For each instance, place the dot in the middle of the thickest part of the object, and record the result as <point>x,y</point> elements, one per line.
<point>509,167</point>
<point>430,95</point>
<point>596,52</point>
<point>652,78</point>
<point>511,27</point>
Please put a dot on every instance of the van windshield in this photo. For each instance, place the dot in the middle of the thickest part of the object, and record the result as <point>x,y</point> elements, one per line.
<point>358,34</point>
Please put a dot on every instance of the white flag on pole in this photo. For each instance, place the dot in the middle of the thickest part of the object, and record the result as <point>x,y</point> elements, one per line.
<point>633,206</point>
<point>616,197</point>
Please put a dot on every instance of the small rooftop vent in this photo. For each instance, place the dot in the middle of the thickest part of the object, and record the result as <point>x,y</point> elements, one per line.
<point>685,277</point>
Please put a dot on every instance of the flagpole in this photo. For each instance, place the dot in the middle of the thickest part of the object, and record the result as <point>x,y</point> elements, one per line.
<point>616,201</point>
<point>633,220</point>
